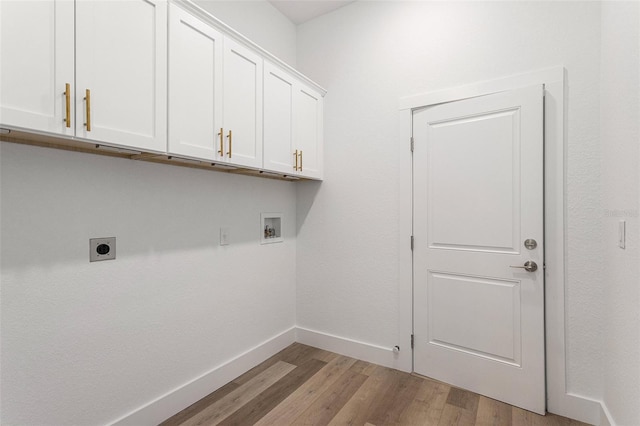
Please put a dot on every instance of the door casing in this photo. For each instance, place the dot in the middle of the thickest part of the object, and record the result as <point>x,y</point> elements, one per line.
<point>559,400</point>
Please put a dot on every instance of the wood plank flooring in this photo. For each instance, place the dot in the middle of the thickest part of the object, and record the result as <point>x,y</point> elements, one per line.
<point>302,385</point>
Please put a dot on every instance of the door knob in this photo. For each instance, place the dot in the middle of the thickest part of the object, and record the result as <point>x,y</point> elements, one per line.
<point>529,266</point>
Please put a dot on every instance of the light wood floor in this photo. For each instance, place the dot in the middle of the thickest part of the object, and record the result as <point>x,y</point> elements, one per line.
<point>302,385</point>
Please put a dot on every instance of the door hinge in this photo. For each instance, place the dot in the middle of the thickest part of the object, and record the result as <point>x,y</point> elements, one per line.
<point>411,143</point>
<point>412,243</point>
<point>412,341</point>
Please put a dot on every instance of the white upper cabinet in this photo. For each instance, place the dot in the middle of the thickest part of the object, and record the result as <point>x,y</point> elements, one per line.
<point>37,45</point>
<point>292,125</point>
<point>157,76</point>
<point>242,104</point>
<point>215,94</point>
<point>195,88</point>
<point>279,148</point>
<point>308,131</point>
<point>121,65</point>
<point>91,69</point>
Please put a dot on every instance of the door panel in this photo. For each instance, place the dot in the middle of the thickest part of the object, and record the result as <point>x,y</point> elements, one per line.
<point>195,87</point>
<point>37,45</point>
<point>454,157</point>
<point>124,66</point>
<point>242,105</point>
<point>495,331</point>
<point>478,193</point>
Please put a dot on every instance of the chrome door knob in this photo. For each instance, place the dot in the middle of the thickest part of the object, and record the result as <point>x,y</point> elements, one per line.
<point>529,266</point>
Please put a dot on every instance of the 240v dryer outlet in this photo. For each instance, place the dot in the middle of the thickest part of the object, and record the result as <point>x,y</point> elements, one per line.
<point>102,249</point>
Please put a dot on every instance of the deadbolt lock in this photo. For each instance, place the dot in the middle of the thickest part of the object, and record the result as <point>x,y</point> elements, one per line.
<point>530,244</point>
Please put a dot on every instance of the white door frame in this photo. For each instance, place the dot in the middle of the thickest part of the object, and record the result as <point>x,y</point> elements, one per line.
<point>559,400</point>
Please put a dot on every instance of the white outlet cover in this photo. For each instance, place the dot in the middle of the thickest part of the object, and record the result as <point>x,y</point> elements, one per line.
<point>622,234</point>
<point>102,249</point>
<point>224,236</point>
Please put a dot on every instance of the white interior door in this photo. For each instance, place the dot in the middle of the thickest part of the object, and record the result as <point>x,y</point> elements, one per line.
<point>478,196</point>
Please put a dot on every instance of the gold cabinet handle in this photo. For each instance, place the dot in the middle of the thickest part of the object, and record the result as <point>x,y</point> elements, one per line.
<point>229,136</point>
<point>221,150</point>
<point>67,96</point>
<point>300,160</point>
<point>88,105</point>
<point>295,155</point>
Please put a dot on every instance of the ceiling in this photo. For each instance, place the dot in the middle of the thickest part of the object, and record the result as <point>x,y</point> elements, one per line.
<point>299,11</point>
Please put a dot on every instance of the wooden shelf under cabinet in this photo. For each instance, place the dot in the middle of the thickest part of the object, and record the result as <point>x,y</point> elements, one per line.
<point>48,141</point>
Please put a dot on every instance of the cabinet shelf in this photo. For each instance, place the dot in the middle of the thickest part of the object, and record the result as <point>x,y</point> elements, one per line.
<point>71,144</point>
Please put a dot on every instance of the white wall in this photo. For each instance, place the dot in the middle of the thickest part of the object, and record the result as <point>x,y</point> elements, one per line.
<point>260,21</point>
<point>620,140</point>
<point>86,343</point>
<point>368,55</point>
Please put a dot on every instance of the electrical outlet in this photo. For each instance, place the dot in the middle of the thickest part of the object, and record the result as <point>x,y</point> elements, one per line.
<point>102,249</point>
<point>224,236</point>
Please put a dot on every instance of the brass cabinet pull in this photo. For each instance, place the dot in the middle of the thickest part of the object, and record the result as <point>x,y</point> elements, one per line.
<point>295,155</point>
<point>221,150</point>
<point>229,144</point>
<point>88,105</point>
<point>67,96</point>
<point>300,160</point>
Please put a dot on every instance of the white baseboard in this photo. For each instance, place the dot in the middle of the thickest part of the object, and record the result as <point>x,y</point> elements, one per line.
<point>573,406</point>
<point>348,347</point>
<point>576,407</point>
<point>178,399</point>
<point>605,416</point>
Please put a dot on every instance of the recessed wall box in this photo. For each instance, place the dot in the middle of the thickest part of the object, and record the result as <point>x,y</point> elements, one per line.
<point>271,228</point>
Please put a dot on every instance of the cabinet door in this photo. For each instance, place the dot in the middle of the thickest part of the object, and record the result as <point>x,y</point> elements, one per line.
<point>195,87</point>
<point>279,148</point>
<point>37,45</point>
<point>242,105</point>
<point>308,131</point>
<point>121,58</point>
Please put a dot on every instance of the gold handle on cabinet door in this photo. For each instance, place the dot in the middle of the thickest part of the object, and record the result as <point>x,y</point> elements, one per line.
<point>221,150</point>
<point>229,144</point>
<point>67,96</point>
<point>300,160</point>
<point>295,155</point>
<point>88,105</point>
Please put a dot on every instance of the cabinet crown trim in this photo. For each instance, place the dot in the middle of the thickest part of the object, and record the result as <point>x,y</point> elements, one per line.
<point>207,17</point>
